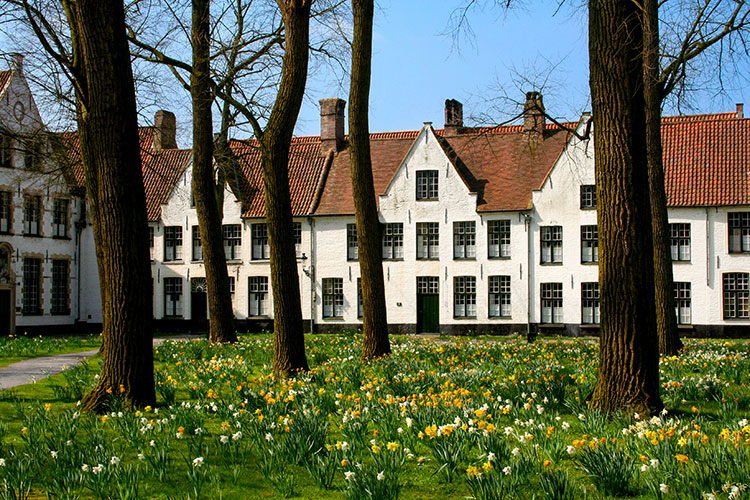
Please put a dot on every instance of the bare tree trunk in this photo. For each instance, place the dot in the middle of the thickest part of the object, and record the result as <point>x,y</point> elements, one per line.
<point>628,377</point>
<point>221,316</point>
<point>369,230</point>
<point>110,152</point>
<point>666,321</point>
<point>289,341</point>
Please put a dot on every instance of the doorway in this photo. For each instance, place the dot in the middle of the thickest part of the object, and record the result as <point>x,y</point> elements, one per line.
<point>198,305</point>
<point>428,304</point>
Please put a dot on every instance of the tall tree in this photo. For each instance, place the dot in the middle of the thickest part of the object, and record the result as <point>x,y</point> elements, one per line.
<point>628,376</point>
<point>99,65</point>
<point>221,316</point>
<point>369,230</point>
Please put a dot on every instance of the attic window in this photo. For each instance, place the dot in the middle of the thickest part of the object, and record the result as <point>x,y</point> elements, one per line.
<point>427,185</point>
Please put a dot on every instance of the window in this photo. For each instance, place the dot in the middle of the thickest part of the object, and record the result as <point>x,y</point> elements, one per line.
<point>5,211</point>
<point>589,244</point>
<point>498,239</point>
<point>231,286</point>
<point>499,300</point>
<point>428,285</point>
<point>261,249</point>
<point>428,240</point>
<point>172,243</point>
<point>6,151</point>
<point>232,241</point>
<point>739,232</point>
<point>197,245</point>
<point>60,219</point>
<point>297,229</point>
<point>173,297</point>
<point>393,241</point>
<point>464,240</point>
<point>736,296</point>
<point>551,244</point>
<point>351,242</point>
<point>588,196</point>
<point>552,311</point>
<point>464,297</point>
<point>60,302</point>
<point>258,290</point>
<point>32,156</point>
<point>32,215</point>
<point>360,307</point>
<point>333,297</point>
<point>427,184</point>
<point>589,304</point>
<point>682,303</point>
<point>32,286</point>
<point>679,237</point>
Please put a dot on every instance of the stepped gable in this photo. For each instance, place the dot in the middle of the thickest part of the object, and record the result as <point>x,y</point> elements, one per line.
<point>306,166</point>
<point>707,159</point>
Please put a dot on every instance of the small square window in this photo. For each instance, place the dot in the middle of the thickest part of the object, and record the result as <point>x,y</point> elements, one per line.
<point>588,196</point>
<point>427,184</point>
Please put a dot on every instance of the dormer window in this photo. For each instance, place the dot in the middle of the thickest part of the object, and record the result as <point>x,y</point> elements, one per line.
<point>588,196</point>
<point>427,184</point>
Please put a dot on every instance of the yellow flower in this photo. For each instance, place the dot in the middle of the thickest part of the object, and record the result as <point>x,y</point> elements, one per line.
<point>104,418</point>
<point>682,458</point>
<point>24,430</point>
<point>547,463</point>
<point>682,441</point>
<point>392,446</point>
<point>472,471</point>
<point>487,466</point>
<point>181,429</point>
<point>47,406</point>
<point>375,449</point>
<point>344,463</point>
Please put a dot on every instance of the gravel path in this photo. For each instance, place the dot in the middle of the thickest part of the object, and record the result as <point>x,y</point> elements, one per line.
<point>30,371</point>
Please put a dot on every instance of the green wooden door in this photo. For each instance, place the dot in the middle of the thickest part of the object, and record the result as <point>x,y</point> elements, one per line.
<point>428,313</point>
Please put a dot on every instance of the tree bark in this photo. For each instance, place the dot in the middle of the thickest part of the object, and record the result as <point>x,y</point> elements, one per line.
<point>221,315</point>
<point>288,339</point>
<point>369,230</point>
<point>110,152</point>
<point>628,378</point>
<point>666,321</point>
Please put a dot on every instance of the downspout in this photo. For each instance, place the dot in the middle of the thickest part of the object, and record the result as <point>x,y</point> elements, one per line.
<point>708,249</point>
<point>311,271</point>
<point>529,259</point>
<point>79,226</point>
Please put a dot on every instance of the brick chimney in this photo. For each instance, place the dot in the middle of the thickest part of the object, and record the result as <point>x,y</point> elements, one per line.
<point>454,117</point>
<point>331,125</point>
<point>740,111</point>
<point>17,62</point>
<point>165,130</point>
<point>533,114</point>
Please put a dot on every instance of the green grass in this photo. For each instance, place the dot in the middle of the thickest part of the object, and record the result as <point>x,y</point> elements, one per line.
<point>428,382</point>
<point>18,348</point>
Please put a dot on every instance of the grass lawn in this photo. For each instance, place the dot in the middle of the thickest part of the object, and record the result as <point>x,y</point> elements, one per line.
<point>19,347</point>
<point>443,419</point>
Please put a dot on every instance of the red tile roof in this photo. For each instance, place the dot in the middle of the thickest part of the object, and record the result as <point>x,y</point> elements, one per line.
<point>161,169</point>
<point>707,160</point>
<point>5,77</point>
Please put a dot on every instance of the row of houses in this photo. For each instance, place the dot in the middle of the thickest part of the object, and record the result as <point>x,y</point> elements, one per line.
<point>490,230</point>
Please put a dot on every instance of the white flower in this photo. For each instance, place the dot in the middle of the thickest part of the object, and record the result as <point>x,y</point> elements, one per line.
<point>237,436</point>
<point>581,416</point>
<point>198,431</point>
<point>654,462</point>
<point>515,452</point>
<point>506,470</point>
<point>664,488</point>
<point>84,467</point>
<point>570,449</point>
<point>490,457</point>
<point>408,422</point>
<point>114,461</point>
<point>348,475</point>
<point>269,436</point>
<point>53,454</point>
<point>344,446</point>
<point>152,443</point>
<point>400,430</point>
<point>508,431</point>
<point>644,467</point>
<point>636,416</point>
<point>198,462</point>
<point>381,475</point>
<point>224,439</point>
<point>2,462</point>
<point>565,425</point>
<point>742,422</point>
<point>99,468</point>
<point>141,457</point>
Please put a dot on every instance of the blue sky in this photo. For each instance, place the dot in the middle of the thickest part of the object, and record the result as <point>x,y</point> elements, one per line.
<point>416,66</point>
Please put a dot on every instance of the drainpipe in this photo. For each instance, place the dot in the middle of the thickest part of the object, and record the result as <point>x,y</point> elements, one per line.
<point>311,274</point>
<point>708,250</point>
<point>529,259</point>
<point>79,226</point>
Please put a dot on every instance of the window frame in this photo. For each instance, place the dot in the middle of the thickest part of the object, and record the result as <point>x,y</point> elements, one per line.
<point>6,151</point>
<point>679,240</point>
<point>6,212</point>
<point>393,241</point>
<point>683,302</point>
<point>428,238</point>
<point>173,290</point>
<point>465,297</point>
<point>60,289</point>
<point>427,185</point>
<point>550,242</point>
<point>498,238</point>
<point>738,232</point>
<point>590,241</point>
<point>587,198</point>
<point>551,298</point>
<point>464,240</point>
<point>32,215</point>
<point>352,250</point>
<point>257,294</point>
<point>172,243</point>
<point>333,298</point>
<point>590,299</point>
<point>232,239</point>
<point>60,217</point>
<point>196,254</point>
<point>736,295</point>
<point>297,232</point>
<point>31,304</point>
<point>498,296</point>
<point>260,247</point>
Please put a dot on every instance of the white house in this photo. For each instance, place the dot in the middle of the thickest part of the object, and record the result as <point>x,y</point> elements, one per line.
<point>484,229</point>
